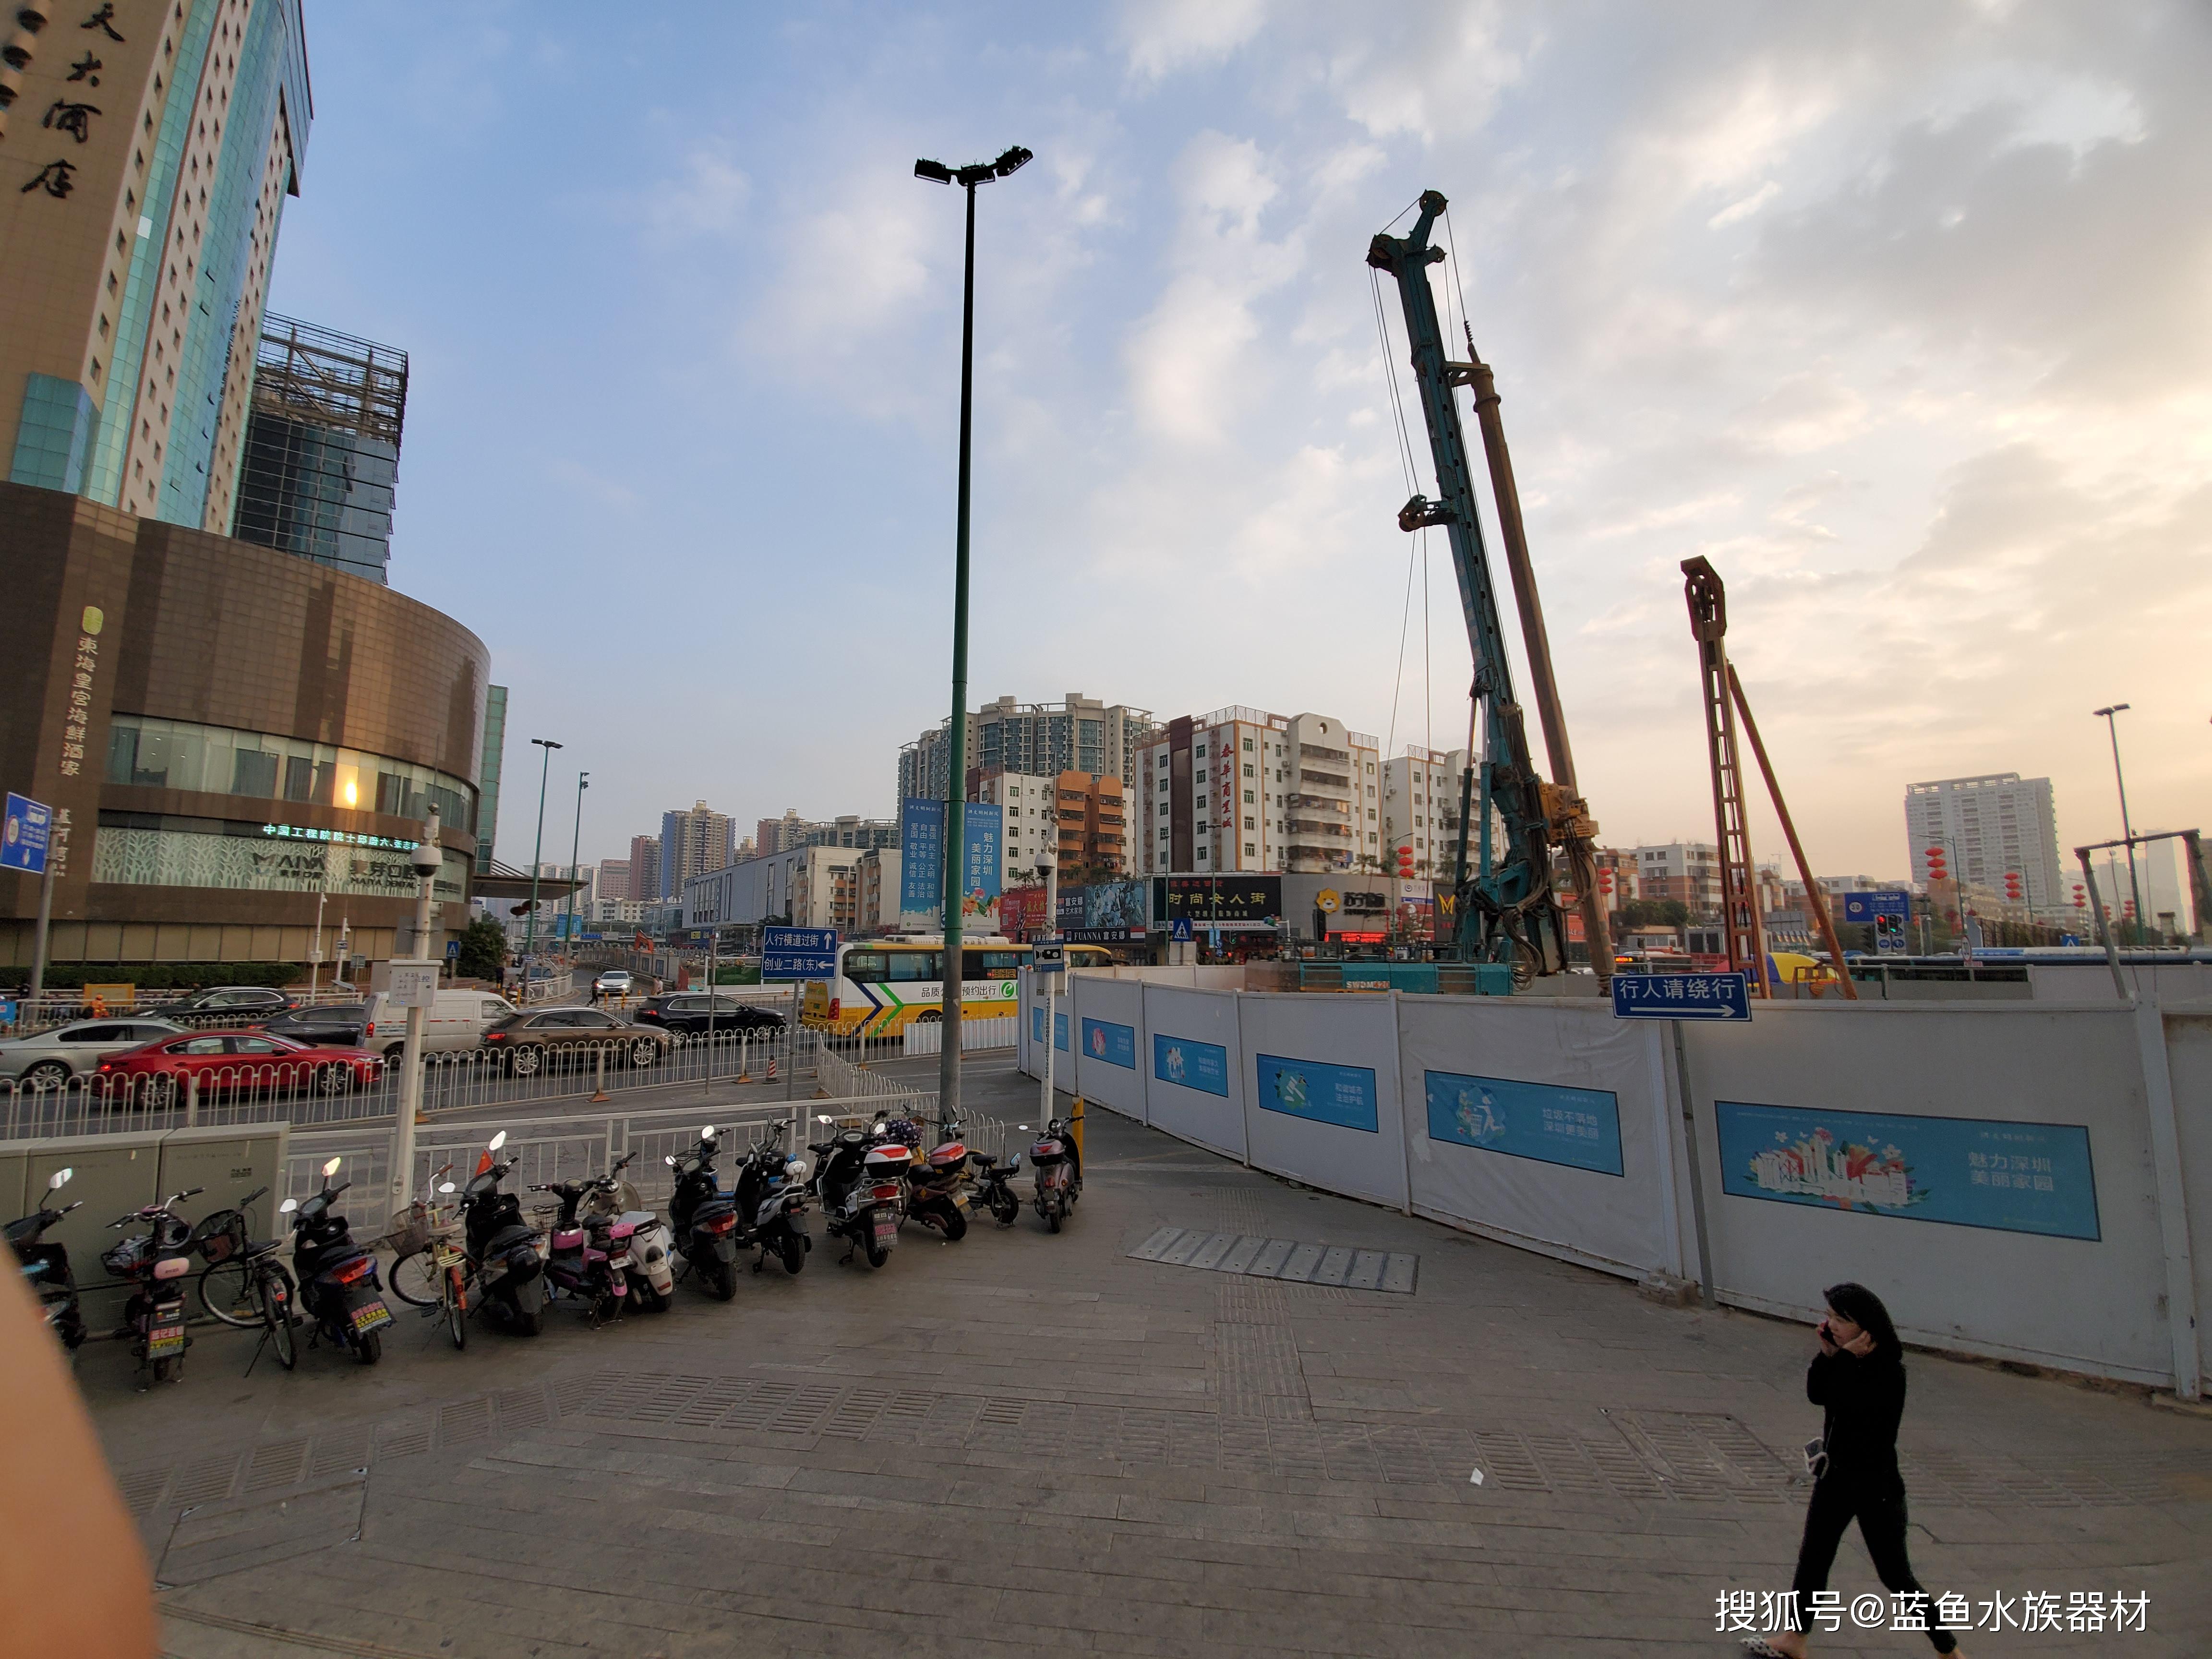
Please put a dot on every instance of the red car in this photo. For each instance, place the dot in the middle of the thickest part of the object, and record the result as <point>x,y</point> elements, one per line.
<point>228,1062</point>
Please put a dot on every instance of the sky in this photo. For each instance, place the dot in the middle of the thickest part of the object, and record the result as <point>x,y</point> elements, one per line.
<point>1900,315</point>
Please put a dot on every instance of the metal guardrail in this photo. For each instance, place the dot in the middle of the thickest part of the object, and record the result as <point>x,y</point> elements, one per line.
<point>928,1036</point>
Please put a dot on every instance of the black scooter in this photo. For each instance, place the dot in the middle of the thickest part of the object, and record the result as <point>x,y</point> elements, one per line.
<point>1059,1168</point>
<point>338,1285</point>
<point>502,1248</point>
<point>772,1206</point>
<point>47,1266</point>
<point>861,1181</point>
<point>992,1191</point>
<point>703,1220</point>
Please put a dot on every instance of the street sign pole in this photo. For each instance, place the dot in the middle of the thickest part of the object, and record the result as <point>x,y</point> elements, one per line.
<point>1697,1169</point>
<point>38,939</point>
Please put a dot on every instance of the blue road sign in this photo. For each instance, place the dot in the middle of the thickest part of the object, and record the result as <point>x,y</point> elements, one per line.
<point>1680,996</point>
<point>1863,908</point>
<point>798,952</point>
<point>453,948</point>
<point>23,841</point>
<point>1179,930</point>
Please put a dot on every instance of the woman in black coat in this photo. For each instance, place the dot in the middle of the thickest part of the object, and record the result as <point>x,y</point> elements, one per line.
<point>1858,1378</point>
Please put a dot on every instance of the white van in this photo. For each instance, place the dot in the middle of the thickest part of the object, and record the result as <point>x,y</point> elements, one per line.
<point>458,1021</point>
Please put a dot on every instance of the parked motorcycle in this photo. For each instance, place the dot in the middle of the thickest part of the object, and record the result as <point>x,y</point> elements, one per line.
<point>502,1247</point>
<point>861,1182</point>
<point>1059,1168</point>
<point>611,1200</point>
<point>338,1284</point>
<point>155,1264</point>
<point>47,1266</point>
<point>936,1180</point>
<point>992,1190</point>
<point>772,1206</point>
<point>593,1268</point>
<point>704,1219</point>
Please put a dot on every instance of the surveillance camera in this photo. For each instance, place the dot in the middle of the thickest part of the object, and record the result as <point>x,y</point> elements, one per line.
<point>426,859</point>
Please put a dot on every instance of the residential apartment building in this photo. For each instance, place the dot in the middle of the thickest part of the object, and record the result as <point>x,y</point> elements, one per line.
<point>691,844</point>
<point>1092,825</point>
<point>782,835</point>
<point>644,867</point>
<point>614,879</point>
<point>1029,808</point>
<point>1420,811</point>
<point>1689,870</point>
<point>1038,739</point>
<point>1243,789</point>
<point>1989,827</point>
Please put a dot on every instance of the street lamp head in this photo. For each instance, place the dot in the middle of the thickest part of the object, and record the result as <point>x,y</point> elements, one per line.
<point>980,173</point>
<point>935,171</point>
<point>547,743</point>
<point>2107,713</point>
<point>1012,161</point>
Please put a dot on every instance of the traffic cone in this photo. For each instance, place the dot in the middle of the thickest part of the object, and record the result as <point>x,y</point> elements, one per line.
<point>771,1068</point>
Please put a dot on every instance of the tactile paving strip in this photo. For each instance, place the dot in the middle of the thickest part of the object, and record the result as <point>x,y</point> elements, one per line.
<point>1284,1259</point>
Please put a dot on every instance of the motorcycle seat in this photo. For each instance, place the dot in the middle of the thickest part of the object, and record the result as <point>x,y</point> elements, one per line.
<point>265,1247</point>
<point>639,1219</point>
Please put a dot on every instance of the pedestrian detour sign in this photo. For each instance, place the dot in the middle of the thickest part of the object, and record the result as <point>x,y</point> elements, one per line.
<point>789,953</point>
<point>1680,996</point>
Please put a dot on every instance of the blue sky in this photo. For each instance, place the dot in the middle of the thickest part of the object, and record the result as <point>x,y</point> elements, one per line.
<point>1898,315</point>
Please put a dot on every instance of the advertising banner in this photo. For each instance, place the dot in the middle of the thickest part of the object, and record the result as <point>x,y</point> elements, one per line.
<point>1104,913</point>
<point>1106,1040</point>
<point>1548,1121</point>
<point>1190,1063</point>
<point>1970,1172</point>
<point>1021,913</point>
<point>921,855</point>
<point>1342,1095</point>
<point>982,865</point>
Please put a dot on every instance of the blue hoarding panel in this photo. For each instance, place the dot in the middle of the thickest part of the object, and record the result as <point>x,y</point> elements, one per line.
<point>1115,1044</point>
<point>1680,996</point>
<point>922,854</point>
<point>23,836</point>
<point>1189,1064</point>
<point>1577,1126</point>
<point>1059,1028</point>
<point>1970,1172</point>
<point>1342,1095</point>
<point>1863,908</point>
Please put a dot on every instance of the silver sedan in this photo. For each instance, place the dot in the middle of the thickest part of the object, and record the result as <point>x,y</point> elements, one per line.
<point>51,1059</point>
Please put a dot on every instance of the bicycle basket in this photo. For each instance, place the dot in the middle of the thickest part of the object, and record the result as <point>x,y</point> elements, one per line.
<point>218,1236</point>
<point>411,1229</point>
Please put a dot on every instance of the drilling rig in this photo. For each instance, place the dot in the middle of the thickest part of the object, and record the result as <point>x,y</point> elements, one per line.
<point>1504,911</point>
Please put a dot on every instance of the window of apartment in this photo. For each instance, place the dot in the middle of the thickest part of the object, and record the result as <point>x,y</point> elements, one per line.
<point>1250,850</point>
<point>1248,797</point>
<point>1249,771</point>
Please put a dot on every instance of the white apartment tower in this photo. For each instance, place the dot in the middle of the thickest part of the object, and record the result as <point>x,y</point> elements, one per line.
<point>1030,815</point>
<point>1241,789</point>
<point>1420,811</point>
<point>1989,827</point>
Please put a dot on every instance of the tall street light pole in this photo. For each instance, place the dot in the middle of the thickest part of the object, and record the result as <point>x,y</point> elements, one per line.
<point>427,859</point>
<point>2110,717</point>
<point>575,844</point>
<point>536,852</point>
<point>956,790</point>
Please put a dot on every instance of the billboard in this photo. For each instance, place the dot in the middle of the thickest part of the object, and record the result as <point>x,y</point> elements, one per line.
<point>1233,903</point>
<point>1104,913</point>
<point>921,855</point>
<point>982,865</point>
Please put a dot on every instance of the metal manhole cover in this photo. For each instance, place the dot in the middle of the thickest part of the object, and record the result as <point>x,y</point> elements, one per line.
<point>1260,1257</point>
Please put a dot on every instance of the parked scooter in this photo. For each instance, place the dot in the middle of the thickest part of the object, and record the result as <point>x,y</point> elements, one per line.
<point>611,1200</point>
<point>155,1263</point>
<point>992,1190</point>
<point>704,1219</point>
<point>502,1248</point>
<point>936,1180</point>
<point>47,1266</point>
<point>1058,1173</point>
<point>338,1285</point>
<point>593,1268</point>
<point>772,1206</point>
<point>861,1181</point>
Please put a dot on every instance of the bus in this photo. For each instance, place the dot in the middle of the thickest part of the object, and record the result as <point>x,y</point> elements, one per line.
<point>883,985</point>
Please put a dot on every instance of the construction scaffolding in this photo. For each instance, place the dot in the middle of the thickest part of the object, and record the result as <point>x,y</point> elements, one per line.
<point>332,380</point>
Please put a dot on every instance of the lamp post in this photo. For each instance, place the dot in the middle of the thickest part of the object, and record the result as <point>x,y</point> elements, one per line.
<point>2110,717</point>
<point>575,843</point>
<point>956,791</point>
<point>427,859</point>
<point>536,852</point>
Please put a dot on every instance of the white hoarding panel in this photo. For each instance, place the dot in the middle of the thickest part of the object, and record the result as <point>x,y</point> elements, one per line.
<point>1321,1102</point>
<point>1193,1070</point>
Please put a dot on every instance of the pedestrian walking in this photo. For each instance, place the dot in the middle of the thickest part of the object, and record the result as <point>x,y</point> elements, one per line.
<point>1857,1379</point>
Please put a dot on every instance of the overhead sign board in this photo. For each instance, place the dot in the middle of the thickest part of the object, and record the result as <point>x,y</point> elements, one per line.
<point>1680,996</point>
<point>23,840</point>
<point>798,952</point>
<point>1863,908</point>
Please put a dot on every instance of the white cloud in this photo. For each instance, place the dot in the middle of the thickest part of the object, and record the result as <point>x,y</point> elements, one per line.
<point>1164,36</point>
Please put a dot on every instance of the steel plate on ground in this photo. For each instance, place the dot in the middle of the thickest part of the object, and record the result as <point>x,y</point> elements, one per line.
<point>1255,1256</point>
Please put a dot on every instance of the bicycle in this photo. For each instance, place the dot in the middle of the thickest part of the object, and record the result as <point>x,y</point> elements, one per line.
<point>429,1270</point>
<point>244,1285</point>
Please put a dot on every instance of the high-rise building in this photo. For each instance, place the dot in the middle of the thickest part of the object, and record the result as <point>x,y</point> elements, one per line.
<point>645,867</point>
<point>614,879</point>
<point>1421,811</point>
<point>1989,827</point>
<point>1039,740</point>
<point>780,834</point>
<point>488,771</point>
<point>147,153</point>
<point>322,446</point>
<point>1243,789</point>
<point>1028,814</point>
<point>1687,870</point>
<point>691,844</point>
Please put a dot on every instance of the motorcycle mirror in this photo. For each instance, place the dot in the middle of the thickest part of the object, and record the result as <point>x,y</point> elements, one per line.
<point>498,1141</point>
<point>669,1160</point>
<point>878,1130</point>
<point>823,1117</point>
<point>707,1133</point>
<point>332,1168</point>
<point>288,1206</point>
<point>58,1179</point>
<point>445,1186</point>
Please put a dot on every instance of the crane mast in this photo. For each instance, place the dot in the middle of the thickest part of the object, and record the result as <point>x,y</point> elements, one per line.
<point>1506,912</point>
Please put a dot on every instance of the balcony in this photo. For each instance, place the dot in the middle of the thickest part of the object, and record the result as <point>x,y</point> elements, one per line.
<point>1327,779</point>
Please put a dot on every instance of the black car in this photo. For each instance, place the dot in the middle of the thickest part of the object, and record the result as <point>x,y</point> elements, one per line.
<point>690,1012</point>
<point>229,1005</point>
<point>326,1025</point>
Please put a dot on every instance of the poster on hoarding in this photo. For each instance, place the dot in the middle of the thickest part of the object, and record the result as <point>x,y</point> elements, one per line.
<point>1552,1122</point>
<point>1106,1040</point>
<point>1327,1093</point>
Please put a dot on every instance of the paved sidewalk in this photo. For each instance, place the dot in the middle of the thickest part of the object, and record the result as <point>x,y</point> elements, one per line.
<point>1024,1443</point>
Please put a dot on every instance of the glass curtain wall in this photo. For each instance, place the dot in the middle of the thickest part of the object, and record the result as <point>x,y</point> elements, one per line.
<point>215,760</point>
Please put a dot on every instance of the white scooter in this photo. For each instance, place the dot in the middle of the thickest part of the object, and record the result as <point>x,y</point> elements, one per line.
<point>651,1273</point>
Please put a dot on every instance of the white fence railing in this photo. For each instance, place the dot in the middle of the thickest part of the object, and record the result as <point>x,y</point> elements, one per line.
<point>928,1036</point>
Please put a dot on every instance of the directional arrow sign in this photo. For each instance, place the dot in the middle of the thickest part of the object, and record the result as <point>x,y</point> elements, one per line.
<point>1680,996</point>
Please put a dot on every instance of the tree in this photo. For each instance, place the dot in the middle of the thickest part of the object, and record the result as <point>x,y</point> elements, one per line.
<point>1656,913</point>
<point>484,950</point>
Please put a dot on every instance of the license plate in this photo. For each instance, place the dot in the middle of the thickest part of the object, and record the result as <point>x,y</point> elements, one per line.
<point>886,1229</point>
<point>368,1316</point>
<point>164,1340</point>
<point>960,1200</point>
